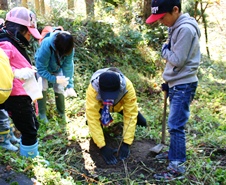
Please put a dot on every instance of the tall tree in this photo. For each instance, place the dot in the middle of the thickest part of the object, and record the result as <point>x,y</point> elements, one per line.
<point>37,6</point>
<point>146,9</point>
<point>16,2</point>
<point>89,8</point>
<point>71,4</point>
<point>24,3</point>
<point>42,3</point>
<point>4,5</point>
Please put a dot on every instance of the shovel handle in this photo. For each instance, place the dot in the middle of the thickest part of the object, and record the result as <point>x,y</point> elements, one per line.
<point>164,118</point>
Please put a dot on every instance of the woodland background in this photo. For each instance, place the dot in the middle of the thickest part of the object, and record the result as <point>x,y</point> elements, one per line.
<point>113,33</point>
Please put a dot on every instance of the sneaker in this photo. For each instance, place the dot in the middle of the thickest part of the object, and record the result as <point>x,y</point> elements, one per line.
<point>168,176</point>
<point>177,166</point>
<point>162,156</point>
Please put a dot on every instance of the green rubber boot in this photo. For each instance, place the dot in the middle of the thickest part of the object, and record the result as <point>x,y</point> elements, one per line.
<point>42,108</point>
<point>60,104</point>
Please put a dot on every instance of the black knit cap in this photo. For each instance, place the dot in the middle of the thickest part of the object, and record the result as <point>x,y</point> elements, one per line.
<point>109,83</point>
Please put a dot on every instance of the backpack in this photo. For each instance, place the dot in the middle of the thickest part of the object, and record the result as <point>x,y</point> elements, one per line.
<point>47,30</point>
<point>6,82</point>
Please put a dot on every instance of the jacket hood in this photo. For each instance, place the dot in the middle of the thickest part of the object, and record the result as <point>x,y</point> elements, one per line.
<point>185,19</point>
<point>95,82</point>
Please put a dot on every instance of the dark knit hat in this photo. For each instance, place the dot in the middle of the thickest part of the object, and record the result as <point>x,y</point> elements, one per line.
<point>109,83</point>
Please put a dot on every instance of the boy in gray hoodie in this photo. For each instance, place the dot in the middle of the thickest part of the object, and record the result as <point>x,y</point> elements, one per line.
<point>182,56</point>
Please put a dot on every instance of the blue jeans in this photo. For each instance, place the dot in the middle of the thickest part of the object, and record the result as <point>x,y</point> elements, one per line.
<point>180,97</point>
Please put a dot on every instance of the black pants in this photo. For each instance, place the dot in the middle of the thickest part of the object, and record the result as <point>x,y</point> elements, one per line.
<point>22,112</point>
<point>140,119</point>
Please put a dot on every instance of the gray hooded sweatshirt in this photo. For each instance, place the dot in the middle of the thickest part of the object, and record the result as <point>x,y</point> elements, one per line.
<point>183,57</point>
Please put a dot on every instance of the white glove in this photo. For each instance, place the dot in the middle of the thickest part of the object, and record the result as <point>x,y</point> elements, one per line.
<point>70,92</point>
<point>40,82</point>
<point>62,80</point>
<point>35,68</point>
<point>24,73</point>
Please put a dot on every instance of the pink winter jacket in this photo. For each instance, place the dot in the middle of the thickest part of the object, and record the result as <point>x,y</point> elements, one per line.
<point>17,61</point>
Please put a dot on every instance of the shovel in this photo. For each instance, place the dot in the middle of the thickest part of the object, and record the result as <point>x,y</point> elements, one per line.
<point>161,145</point>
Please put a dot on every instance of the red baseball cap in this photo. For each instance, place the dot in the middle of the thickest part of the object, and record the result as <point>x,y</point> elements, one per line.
<point>159,8</point>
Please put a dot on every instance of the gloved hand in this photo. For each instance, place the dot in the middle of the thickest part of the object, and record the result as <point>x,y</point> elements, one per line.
<point>124,151</point>
<point>35,68</point>
<point>62,80</point>
<point>108,155</point>
<point>165,87</point>
<point>70,92</point>
<point>24,73</point>
<point>164,46</point>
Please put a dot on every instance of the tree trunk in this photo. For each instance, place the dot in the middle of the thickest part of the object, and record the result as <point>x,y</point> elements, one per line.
<point>146,9</point>
<point>37,6</point>
<point>89,9</point>
<point>24,3</point>
<point>205,26</point>
<point>16,2</point>
<point>42,3</point>
<point>4,5</point>
<point>71,4</point>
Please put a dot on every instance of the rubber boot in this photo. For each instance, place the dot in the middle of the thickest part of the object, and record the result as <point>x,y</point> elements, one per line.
<point>60,104</point>
<point>13,138</point>
<point>42,108</point>
<point>32,152</point>
<point>5,142</point>
<point>29,151</point>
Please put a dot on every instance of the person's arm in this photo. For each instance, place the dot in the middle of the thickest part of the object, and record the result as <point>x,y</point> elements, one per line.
<point>93,117</point>
<point>178,53</point>
<point>68,69</point>
<point>42,59</point>
<point>130,112</point>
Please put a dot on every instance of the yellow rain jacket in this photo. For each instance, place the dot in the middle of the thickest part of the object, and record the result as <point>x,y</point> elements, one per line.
<point>126,101</point>
<point>6,83</point>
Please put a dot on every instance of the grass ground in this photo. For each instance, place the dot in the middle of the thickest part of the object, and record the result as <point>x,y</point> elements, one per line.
<point>74,159</point>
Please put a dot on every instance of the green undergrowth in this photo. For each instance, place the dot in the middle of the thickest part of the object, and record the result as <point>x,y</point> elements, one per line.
<point>206,138</point>
<point>133,48</point>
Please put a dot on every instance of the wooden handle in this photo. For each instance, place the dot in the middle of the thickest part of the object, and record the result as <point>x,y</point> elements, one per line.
<point>164,118</point>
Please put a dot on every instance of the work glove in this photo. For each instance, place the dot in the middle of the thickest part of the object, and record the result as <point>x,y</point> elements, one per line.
<point>62,80</point>
<point>108,155</point>
<point>24,73</point>
<point>70,92</point>
<point>35,68</point>
<point>164,48</point>
<point>124,151</point>
<point>165,87</point>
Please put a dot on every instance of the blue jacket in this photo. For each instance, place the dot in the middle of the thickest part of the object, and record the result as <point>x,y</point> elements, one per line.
<point>46,62</point>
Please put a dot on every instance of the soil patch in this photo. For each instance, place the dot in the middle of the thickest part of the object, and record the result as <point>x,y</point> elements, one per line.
<point>141,163</point>
<point>8,176</point>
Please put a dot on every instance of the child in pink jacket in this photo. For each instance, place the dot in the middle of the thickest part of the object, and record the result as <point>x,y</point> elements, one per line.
<point>19,26</point>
